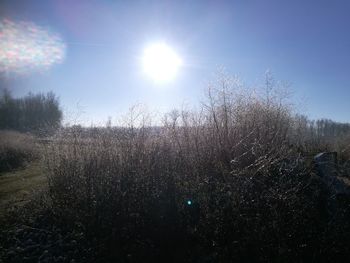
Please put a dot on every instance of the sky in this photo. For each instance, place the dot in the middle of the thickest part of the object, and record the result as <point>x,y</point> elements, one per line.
<point>99,73</point>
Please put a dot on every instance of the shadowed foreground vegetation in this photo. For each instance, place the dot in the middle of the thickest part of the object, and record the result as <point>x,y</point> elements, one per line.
<point>16,150</point>
<point>231,181</point>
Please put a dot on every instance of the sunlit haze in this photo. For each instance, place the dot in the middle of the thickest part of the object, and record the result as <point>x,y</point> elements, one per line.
<point>102,57</point>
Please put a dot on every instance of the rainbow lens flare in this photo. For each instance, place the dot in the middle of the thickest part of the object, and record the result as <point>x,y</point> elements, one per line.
<point>25,46</point>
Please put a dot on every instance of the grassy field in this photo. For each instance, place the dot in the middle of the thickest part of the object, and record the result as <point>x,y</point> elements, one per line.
<point>17,186</point>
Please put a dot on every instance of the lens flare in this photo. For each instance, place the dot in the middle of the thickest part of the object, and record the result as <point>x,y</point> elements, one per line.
<point>25,46</point>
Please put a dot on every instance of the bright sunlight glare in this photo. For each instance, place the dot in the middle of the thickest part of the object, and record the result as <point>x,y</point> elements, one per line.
<point>160,62</point>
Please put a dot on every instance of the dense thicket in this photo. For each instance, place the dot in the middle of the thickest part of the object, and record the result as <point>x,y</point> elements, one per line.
<point>34,112</point>
<point>228,182</point>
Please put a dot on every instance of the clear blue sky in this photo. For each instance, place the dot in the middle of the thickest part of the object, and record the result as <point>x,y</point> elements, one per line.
<point>304,42</point>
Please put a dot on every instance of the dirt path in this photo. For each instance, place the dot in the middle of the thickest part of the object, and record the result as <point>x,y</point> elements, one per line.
<point>17,186</point>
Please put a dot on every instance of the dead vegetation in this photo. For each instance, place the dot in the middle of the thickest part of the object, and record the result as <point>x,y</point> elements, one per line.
<point>226,182</point>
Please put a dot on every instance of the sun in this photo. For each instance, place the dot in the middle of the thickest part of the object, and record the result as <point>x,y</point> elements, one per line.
<point>160,62</point>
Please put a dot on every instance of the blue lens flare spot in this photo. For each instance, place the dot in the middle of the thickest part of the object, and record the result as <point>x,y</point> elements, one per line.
<point>189,202</point>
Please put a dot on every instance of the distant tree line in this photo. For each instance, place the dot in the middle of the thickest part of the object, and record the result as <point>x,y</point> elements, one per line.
<point>322,128</point>
<point>320,133</point>
<point>32,113</point>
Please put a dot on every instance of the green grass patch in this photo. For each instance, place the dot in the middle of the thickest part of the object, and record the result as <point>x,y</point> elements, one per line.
<point>17,187</point>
